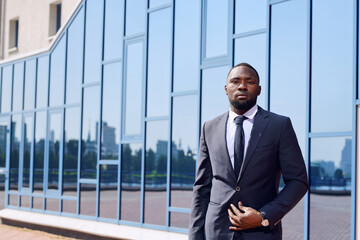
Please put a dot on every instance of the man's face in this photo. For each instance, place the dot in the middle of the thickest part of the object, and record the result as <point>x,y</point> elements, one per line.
<point>242,88</point>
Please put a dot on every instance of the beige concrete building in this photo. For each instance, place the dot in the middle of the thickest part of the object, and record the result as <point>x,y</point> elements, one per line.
<point>29,26</point>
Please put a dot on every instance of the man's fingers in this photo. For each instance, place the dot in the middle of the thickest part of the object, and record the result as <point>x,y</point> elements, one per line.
<point>231,214</point>
<point>241,207</point>
<point>235,228</point>
<point>235,210</point>
<point>233,222</point>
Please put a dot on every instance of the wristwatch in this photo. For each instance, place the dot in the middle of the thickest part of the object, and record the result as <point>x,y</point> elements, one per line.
<point>265,221</point>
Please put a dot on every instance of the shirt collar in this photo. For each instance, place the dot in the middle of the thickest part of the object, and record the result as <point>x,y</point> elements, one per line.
<point>250,114</point>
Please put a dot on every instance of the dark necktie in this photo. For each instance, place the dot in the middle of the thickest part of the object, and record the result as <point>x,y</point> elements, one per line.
<point>239,144</point>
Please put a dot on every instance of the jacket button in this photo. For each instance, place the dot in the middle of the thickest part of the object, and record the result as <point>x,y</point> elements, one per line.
<point>237,189</point>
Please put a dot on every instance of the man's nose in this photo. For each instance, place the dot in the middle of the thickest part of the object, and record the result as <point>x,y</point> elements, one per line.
<point>242,85</point>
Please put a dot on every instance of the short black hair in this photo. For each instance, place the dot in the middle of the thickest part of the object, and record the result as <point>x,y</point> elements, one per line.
<point>244,64</point>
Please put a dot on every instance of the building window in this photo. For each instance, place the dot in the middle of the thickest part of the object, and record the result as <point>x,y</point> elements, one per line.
<point>54,18</point>
<point>14,33</point>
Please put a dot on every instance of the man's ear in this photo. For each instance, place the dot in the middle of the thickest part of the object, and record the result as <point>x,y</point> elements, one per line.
<point>226,90</point>
<point>259,90</point>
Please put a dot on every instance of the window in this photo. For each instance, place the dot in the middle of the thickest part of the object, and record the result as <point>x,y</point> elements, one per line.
<point>54,18</point>
<point>14,33</point>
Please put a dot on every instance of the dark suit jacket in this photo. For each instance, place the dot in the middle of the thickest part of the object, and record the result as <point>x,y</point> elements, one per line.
<point>273,150</point>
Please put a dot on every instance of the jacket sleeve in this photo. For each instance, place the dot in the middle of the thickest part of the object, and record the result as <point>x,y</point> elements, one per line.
<point>201,191</point>
<point>294,174</point>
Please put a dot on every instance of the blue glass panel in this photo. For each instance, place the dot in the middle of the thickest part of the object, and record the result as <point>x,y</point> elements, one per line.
<point>187,45</point>
<point>38,203</point>
<point>25,201</point>
<point>332,63</point>
<point>69,206</point>
<point>93,40</point>
<point>28,142</point>
<point>156,3</point>
<point>88,199</point>
<point>108,207</point>
<point>111,107</point>
<point>252,49</point>
<point>217,14</point>
<point>250,15</point>
<point>159,63</point>
<point>157,136</point>
<point>135,17</point>
<point>134,88</point>
<point>71,148</point>
<point>15,152</point>
<point>114,29</point>
<point>130,182</point>
<point>6,89</point>
<point>74,62</point>
<point>90,124</point>
<point>288,58</point>
<point>30,77</point>
<point>213,99</point>
<point>55,130</point>
<point>184,149</point>
<point>3,142</point>
<point>52,204</point>
<point>42,82</point>
<point>2,191</point>
<point>39,155</point>
<point>18,87</point>
<point>179,220</point>
<point>13,200</point>
<point>330,188</point>
<point>57,74</point>
<point>288,94</point>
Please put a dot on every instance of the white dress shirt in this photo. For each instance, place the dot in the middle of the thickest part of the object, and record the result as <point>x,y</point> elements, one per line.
<point>231,129</point>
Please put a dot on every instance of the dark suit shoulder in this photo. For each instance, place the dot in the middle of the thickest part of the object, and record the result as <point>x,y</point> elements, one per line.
<point>216,120</point>
<point>273,116</point>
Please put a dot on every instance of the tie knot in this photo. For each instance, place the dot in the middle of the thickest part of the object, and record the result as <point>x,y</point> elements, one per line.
<point>239,120</point>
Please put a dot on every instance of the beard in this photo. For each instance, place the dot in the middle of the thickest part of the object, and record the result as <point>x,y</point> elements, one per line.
<point>244,106</point>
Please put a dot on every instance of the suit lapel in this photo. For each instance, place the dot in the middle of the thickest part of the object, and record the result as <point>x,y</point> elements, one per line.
<point>260,123</point>
<point>223,145</point>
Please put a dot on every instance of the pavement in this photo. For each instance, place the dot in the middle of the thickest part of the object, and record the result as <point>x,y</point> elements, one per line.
<point>14,233</point>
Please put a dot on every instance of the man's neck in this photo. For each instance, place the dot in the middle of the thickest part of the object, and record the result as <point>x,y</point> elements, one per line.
<point>240,111</point>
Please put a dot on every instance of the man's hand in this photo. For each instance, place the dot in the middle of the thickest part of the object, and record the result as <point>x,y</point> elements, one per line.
<point>244,218</point>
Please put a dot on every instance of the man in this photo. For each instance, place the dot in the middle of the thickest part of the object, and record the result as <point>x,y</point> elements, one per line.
<point>242,154</point>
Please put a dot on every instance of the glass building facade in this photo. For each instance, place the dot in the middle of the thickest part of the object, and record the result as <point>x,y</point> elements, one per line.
<point>105,125</point>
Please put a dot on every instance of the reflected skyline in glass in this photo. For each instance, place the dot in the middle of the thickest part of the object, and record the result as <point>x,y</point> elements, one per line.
<point>28,142</point>
<point>71,149</point>
<point>130,182</point>
<point>184,150</point>
<point>330,187</point>
<point>39,151</point>
<point>111,107</point>
<point>90,127</point>
<point>155,172</point>
<point>55,135</point>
